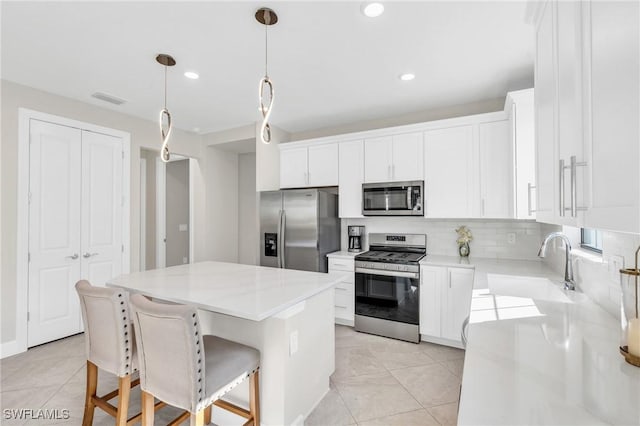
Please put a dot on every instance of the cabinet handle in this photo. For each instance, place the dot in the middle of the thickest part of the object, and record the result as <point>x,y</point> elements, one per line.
<point>561,191</point>
<point>482,214</point>
<point>88,255</point>
<point>574,185</point>
<point>529,188</point>
<point>340,306</point>
<point>341,289</point>
<point>393,171</point>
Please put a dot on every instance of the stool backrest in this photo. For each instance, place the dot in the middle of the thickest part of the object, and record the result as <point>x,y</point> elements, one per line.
<point>109,338</point>
<point>171,352</point>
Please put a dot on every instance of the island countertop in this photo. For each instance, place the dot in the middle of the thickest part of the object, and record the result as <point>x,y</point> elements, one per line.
<point>244,291</point>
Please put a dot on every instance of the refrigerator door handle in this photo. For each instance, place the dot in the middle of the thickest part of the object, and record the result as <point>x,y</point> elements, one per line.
<point>279,241</point>
<point>283,223</point>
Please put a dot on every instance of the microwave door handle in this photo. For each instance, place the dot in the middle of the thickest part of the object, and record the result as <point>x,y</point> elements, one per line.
<point>409,203</point>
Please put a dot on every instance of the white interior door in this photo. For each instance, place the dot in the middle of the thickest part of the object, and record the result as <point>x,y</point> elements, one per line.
<point>101,222</point>
<point>54,234</point>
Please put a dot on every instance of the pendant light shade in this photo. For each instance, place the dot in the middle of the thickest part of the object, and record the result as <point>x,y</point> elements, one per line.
<point>165,116</point>
<point>267,17</point>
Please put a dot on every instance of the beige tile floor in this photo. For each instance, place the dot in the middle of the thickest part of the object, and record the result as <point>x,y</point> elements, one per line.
<point>377,381</point>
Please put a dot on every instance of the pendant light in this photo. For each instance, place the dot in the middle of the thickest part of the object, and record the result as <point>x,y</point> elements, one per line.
<point>267,17</point>
<point>167,61</point>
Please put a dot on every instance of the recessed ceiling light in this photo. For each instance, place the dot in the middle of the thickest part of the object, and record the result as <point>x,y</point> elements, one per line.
<point>192,75</point>
<point>407,76</point>
<point>373,9</point>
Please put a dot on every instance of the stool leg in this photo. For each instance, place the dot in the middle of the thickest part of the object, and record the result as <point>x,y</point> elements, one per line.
<point>207,415</point>
<point>148,409</point>
<point>124,390</point>
<point>254,398</point>
<point>197,419</point>
<point>92,385</point>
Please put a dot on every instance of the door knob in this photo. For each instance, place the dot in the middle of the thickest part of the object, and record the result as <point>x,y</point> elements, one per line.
<point>72,257</point>
<point>87,255</point>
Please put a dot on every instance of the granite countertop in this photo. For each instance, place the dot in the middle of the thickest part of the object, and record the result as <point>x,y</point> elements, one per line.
<point>244,291</point>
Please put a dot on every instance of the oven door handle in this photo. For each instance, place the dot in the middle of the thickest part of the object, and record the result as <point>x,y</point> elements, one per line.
<point>388,273</point>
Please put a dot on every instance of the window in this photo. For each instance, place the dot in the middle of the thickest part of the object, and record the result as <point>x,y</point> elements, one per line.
<point>591,239</point>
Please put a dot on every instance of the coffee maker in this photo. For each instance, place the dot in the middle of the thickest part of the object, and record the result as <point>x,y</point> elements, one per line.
<point>356,238</point>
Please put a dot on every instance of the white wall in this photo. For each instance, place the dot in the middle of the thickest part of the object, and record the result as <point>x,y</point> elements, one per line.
<point>247,210</point>
<point>144,134</point>
<point>452,111</point>
<point>489,236</point>
<point>593,273</point>
<point>221,175</point>
<point>268,159</point>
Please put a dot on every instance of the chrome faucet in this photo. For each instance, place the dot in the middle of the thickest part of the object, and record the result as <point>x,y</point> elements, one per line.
<point>569,284</point>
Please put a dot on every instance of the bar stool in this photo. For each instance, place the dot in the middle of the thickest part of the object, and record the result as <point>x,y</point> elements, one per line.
<point>180,366</point>
<point>110,346</point>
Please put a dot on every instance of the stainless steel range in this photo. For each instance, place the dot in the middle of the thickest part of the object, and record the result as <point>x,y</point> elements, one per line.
<point>388,286</point>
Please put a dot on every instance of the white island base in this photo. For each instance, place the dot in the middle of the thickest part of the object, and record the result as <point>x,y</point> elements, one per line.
<point>291,384</point>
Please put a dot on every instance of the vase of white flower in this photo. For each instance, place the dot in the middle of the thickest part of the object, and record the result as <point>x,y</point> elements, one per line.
<point>464,238</point>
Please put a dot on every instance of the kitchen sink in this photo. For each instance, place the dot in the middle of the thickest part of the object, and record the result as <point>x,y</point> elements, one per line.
<point>537,288</point>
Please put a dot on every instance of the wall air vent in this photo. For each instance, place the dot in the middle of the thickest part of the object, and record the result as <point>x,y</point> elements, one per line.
<point>108,98</point>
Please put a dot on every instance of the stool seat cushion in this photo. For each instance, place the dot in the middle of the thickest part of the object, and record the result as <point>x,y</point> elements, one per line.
<point>227,364</point>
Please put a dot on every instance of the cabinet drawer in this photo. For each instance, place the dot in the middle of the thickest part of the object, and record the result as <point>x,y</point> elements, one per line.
<point>348,277</point>
<point>339,264</point>
<point>344,313</point>
<point>345,286</point>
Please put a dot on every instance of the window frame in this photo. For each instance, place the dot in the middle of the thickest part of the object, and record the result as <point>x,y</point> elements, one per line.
<point>595,246</point>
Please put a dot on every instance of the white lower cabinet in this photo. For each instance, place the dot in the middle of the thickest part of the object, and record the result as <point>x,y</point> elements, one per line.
<point>344,302</point>
<point>445,301</point>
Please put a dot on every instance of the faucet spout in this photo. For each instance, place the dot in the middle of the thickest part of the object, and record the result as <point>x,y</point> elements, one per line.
<point>569,283</point>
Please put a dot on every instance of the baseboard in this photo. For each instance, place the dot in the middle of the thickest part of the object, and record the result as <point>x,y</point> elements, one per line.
<point>299,421</point>
<point>441,341</point>
<point>10,348</point>
<point>341,321</point>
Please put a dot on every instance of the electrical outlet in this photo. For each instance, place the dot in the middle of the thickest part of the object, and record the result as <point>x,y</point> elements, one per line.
<point>615,264</point>
<point>511,237</point>
<point>293,343</point>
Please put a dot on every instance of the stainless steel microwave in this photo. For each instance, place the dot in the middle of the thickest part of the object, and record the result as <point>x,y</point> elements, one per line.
<point>393,199</point>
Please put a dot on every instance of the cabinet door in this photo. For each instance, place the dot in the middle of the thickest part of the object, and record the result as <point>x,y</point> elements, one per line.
<point>496,170</point>
<point>523,134</point>
<point>323,165</point>
<point>449,185</point>
<point>350,178</point>
<point>457,302</point>
<point>545,101</point>
<point>569,141</point>
<point>377,160</point>
<point>407,157</point>
<point>614,110</point>
<point>432,281</point>
<point>293,168</point>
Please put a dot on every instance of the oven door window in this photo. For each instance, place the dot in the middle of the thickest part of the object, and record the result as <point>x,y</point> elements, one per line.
<point>386,297</point>
<point>396,198</point>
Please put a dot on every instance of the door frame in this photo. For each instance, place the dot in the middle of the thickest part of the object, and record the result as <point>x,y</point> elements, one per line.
<point>22,247</point>
<point>161,206</point>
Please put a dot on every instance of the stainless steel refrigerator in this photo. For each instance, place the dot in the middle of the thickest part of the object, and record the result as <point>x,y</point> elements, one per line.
<point>298,227</point>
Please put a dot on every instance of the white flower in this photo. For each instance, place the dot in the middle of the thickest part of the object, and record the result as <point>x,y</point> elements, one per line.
<point>464,235</point>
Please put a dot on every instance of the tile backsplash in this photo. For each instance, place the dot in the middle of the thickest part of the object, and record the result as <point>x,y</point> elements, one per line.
<point>490,237</point>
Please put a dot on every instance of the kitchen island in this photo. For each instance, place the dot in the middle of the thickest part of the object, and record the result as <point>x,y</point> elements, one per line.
<point>286,314</point>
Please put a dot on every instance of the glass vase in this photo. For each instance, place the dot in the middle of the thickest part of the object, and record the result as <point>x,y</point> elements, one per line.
<point>464,250</point>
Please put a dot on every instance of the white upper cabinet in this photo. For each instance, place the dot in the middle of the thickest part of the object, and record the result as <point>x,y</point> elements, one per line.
<point>587,108</point>
<point>351,177</point>
<point>407,157</point>
<point>612,131</point>
<point>393,158</point>
<point>449,172</point>
<point>312,166</point>
<point>323,165</point>
<point>293,167</point>
<point>377,159</point>
<point>519,106</point>
<point>496,170</point>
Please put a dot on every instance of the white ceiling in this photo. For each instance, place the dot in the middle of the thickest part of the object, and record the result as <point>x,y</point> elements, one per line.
<point>330,64</point>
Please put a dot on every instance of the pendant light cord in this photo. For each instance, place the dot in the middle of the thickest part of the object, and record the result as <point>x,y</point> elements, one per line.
<point>165,87</point>
<point>266,48</point>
